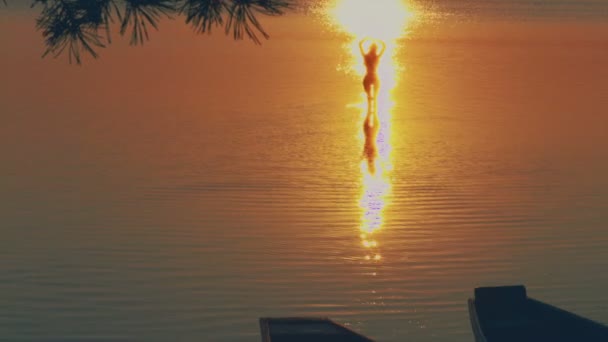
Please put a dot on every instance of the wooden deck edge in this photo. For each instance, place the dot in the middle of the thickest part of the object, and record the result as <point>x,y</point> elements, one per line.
<point>475,324</point>
<point>569,314</point>
<point>264,330</point>
<point>265,326</point>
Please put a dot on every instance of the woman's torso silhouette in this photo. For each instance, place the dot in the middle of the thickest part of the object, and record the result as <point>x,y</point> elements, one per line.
<point>371,82</point>
<point>372,60</point>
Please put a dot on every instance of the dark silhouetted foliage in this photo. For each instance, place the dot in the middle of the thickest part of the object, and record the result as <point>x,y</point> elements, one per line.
<point>74,26</point>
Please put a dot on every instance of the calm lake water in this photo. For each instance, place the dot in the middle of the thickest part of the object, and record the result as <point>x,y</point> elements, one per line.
<point>181,190</point>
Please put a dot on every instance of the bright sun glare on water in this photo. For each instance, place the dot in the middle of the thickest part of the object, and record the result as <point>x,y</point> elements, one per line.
<point>385,20</point>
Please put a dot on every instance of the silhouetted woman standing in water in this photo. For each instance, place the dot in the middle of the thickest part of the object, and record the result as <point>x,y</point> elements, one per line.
<point>371,81</point>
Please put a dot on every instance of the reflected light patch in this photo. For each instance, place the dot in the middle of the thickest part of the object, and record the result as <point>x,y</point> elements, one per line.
<point>381,19</point>
<point>385,20</point>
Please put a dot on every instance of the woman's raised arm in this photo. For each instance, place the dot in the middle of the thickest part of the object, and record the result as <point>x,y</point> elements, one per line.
<point>361,46</point>
<point>383,48</point>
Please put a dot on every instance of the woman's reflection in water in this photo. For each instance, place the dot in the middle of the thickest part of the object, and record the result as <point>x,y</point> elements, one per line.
<point>372,201</point>
<point>371,126</point>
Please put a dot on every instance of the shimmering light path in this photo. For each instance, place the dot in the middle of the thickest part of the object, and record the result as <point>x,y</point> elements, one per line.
<point>385,20</point>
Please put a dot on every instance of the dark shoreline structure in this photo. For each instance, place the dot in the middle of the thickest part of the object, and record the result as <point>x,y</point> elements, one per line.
<point>498,314</point>
<point>506,313</point>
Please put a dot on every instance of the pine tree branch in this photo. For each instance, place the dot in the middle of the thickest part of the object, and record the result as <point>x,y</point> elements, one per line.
<point>75,26</point>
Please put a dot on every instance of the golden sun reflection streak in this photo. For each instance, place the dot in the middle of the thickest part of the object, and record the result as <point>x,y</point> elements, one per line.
<point>386,20</point>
